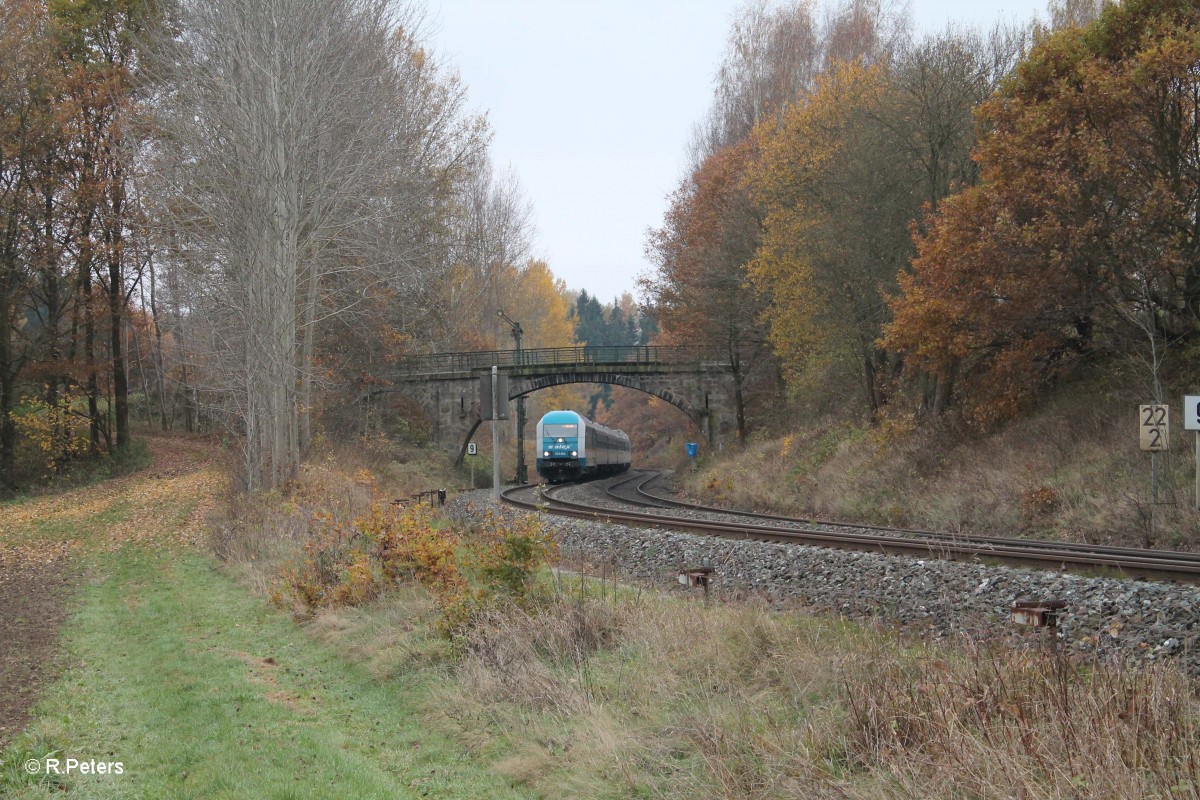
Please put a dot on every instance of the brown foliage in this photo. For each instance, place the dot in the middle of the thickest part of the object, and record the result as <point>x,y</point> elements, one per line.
<point>709,234</point>
<point>1081,237</point>
<point>701,292</point>
<point>346,562</point>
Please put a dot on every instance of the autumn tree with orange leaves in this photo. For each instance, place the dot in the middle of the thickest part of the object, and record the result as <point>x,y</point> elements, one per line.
<point>837,208</point>
<point>29,141</point>
<point>824,140</point>
<point>66,272</point>
<point>699,291</point>
<point>99,40</point>
<point>842,175</point>
<point>1083,237</point>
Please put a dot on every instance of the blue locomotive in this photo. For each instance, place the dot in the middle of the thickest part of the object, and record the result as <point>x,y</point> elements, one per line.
<point>571,446</point>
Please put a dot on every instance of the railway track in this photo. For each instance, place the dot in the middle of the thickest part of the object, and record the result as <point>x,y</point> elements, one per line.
<point>661,512</point>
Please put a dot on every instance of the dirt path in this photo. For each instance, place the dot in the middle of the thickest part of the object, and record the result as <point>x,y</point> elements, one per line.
<point>40,540</point>
<point>32,608</point>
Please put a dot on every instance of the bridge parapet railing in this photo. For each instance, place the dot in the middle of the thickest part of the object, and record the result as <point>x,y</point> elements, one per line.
<point>560,356</point>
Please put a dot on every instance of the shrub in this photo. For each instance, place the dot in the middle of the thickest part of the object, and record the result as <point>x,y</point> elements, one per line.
<point>1040,501</point>
<point>508,552</point>
<point>466,571</point>
<point>406,545</point>
<point>52,434</point>
<point>317,578</point>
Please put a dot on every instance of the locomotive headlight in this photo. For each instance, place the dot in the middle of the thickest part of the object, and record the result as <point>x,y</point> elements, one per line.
<point>546,454</point>
<point>559,440</point>
<point>574,453</point>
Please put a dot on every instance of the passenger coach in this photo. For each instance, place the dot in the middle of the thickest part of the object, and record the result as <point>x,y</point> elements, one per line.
<point>571,446</point>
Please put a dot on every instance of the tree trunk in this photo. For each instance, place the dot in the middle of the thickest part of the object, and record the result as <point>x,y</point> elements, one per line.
<point>739,400</point>
<point>156,355</point>
<point>306,360</point>
<point>870,384</point>
<point>120,380</point>
<point>943,390</point>
<point>114,239</point>
<point>140,360</point>
<point>84,313</point>
<point>89,358</point>
<point>8,429</point>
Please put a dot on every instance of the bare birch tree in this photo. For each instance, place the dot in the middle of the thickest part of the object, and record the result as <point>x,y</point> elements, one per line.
<point>772,54</point>
<point>294,128</point>
<point>493,235</point>
<point>776,50</point>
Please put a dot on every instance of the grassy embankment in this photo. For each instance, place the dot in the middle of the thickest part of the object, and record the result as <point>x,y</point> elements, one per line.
<point>197,686</point>
<point>605,691</point>
<point>1071,470</point>
<point>183,672</point>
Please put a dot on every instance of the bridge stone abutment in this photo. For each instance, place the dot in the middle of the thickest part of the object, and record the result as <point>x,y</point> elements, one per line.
<point>451,404</point>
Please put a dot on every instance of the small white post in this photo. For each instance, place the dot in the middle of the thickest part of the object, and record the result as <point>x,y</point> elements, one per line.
<point>1153,490</point>
<point>495,433</point>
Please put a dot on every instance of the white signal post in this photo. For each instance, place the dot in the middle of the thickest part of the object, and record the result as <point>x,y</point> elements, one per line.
<point>495,433</point>
<point>1191,422</point>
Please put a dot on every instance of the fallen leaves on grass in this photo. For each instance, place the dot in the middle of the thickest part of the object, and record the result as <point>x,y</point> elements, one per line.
<point>29,555</point>
<point>163,504</point>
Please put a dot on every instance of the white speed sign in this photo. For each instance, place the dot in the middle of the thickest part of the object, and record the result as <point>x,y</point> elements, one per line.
<point>1191,412</point>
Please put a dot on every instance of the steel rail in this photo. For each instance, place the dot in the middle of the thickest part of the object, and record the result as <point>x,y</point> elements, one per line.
<point>654,500</point>
<point>1158,565</point>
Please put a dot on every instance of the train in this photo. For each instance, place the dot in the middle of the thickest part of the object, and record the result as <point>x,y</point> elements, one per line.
<point>571,447</point>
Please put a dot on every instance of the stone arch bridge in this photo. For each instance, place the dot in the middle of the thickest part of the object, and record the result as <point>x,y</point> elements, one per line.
<point>447,385</point>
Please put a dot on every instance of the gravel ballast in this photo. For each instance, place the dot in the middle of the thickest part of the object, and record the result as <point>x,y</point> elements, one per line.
<point>1135,620</point>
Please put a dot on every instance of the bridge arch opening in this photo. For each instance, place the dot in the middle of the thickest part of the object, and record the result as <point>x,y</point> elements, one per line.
<point>701,418</point>
<point>698,416</point>
<point>447,386</point>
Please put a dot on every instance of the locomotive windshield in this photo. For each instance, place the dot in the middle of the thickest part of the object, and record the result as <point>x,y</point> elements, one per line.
<point>560,431</point>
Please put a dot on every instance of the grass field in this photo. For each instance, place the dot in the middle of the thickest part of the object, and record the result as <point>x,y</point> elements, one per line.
<point>1070,471</point>
<point>194,685</point>
<point>151,653</point>
<point>202,691</point>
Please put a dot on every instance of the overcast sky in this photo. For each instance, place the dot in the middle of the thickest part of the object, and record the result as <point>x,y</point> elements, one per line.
<point>592,105</point>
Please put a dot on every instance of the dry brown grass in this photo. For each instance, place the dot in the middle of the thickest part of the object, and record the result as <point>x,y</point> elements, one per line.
<point>254,535</point>
<point>607,692</point>
<point>662,698</point>
<point>1071,471</point>
<point>1029,724</point>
